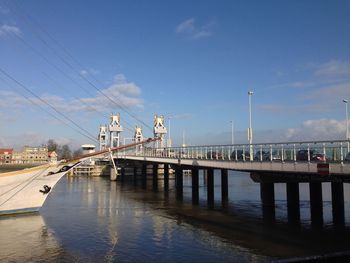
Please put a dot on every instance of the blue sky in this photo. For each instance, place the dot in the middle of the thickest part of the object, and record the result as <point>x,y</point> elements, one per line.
<point>192,60</point>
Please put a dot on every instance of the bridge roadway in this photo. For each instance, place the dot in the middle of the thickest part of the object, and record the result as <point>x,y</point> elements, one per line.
<point>274,167</point>
<point>325,160</point>
<point>289,163</point>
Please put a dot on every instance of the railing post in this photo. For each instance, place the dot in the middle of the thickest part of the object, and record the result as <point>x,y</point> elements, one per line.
<point>261,153</point>
<point>341,152</point>
<point>324,152</point>
<point>236,154</point>
<point>308,152</point>
<point>294,153</point>
<point>243,153</point>
<point>282,153</point>
<point>270,152</point>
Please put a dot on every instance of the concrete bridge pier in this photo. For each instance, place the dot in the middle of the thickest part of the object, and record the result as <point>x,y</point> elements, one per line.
<point>224,187</point>
<point>122,174</point>
<point>144,175</point>
<point>179,183</point>
<point>210,187</point>
<point>113,174</point>
<point>338,203</point>
<point>134,176</point>
<point>166,177</point>
<point>195,186</point>
<point>267,195</point>
<point>293,203</point>
<point>316,204</point>
<point>155,177</point>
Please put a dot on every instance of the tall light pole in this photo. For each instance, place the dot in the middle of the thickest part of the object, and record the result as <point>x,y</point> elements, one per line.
<point>232,132</point>
<point>169,136</point>
<point>347,119</point>
<point>250,129</point>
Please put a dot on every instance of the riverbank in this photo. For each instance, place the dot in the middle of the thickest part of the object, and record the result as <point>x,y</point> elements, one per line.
<point>15,167</point>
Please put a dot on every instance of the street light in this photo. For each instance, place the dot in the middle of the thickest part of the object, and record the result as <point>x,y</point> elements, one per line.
<point>250,130</point>
<point>169,137</point>
<point>232,132</point>
<point>347,119</point>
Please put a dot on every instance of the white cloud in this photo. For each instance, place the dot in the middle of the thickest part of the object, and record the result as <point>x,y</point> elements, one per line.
<point>193,31</point>
<point>83,72</point>
<point>120,94</point>
<point>310,130</point>
<point>33,139</point>
<point>322,129</point>
<point>333,68</point>
<point>330,93</point>
<point>90,71</point>
<point>119,78</point>
<point>7,29</point>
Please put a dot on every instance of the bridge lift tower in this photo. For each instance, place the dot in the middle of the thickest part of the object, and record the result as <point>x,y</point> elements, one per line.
<point>138,137</point>
<point>102,137</point>
<point>114,131</point>
<point>159,131</point>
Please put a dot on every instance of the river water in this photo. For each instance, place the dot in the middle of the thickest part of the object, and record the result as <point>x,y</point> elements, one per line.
<point>96,220</point>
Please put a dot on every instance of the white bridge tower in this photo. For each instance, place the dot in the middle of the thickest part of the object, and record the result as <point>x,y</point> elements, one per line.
<point>159,131</point>
<point>114,130</point>
<point>138,137</point>
<point>102,137</point>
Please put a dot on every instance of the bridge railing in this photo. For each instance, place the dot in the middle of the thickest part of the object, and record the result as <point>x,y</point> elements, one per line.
<point>312,151</point>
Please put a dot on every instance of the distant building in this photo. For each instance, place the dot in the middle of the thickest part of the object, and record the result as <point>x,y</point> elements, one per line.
<point>6,156</point>
<point>35,155</point>
<point>88,148</point>
<point>17,158</point>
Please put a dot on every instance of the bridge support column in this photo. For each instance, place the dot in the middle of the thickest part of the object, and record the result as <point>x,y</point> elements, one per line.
<point>144,175</point>
<point>224,187</point>
<point>210,188</point>
<point>179,183</point>
<point>113,175</point>
<point>122,174</point>
<point>338,203</point>
<point>155,177</point>
<point>195,186</point>
<point>267,195</point>
<point>166,177</point>
<point>316,203</point>
<point>293,202</point>
<point>134,177</point>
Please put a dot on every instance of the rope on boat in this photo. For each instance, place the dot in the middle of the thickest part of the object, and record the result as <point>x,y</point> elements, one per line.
<point>31,179</point>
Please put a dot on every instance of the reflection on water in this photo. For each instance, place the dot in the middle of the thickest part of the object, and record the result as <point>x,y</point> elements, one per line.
<point>27,238</point>
<point>93,219</point>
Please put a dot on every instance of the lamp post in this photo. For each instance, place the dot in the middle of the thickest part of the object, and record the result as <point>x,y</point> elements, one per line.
<point>347,119</point>
<point>169,135</point>
<point>232,132</point>
<point>250,130</point>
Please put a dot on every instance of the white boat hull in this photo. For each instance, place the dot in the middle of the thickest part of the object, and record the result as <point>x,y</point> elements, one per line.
<point>20,190</point>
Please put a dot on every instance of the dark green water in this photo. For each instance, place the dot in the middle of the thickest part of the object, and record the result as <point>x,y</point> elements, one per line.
<point>95,220</point>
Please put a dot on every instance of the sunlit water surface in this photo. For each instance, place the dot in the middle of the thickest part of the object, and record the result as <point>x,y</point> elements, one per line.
<point>96,220</point>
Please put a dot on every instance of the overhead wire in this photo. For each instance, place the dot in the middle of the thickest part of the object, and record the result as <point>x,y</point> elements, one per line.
<point>54,66</point>
<point>46,103</point>
<point>120,104</point>
<point>48,112</point>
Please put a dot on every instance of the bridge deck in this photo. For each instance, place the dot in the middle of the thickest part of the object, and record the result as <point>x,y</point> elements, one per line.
<point>249,166</point>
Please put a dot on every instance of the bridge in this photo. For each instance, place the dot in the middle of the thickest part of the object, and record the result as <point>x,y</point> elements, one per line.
<point>312,162</point>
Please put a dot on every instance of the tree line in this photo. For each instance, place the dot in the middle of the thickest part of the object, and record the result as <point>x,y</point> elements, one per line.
<point>63,151</point>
